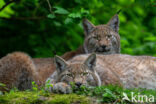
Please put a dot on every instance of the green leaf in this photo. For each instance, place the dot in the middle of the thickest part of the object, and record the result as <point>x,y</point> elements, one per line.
<point>78,1</point>
<point>109,92</point>
<point>33,83</point>
<point>51,16</point>
<point>7,11</point>
<point>75,15</point>
<point>142,2</point>
<point>68,21</point>
<point>150,38</point>
<point>84,12</point>
<point>34,89</point>
<point>60,10</point>
<point>2,85</point>
<point>57,23</point>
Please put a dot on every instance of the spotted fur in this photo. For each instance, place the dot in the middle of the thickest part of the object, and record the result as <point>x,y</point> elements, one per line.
<point>17,70</point>
<point>103,39</point>
<point>124,70</point>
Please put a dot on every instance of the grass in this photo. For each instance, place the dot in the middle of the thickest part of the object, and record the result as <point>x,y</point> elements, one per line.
<point>91,95</point>
<point>31,97</point>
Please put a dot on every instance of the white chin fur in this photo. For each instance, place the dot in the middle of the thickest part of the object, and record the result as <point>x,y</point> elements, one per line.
<point>99,81</point>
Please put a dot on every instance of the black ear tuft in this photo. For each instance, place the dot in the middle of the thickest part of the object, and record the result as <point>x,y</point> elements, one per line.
<point>54,52</point>
<point>118,11</point>
<point>87,26</point>
<point>60,63</point>
<point>91,61</point>
<point>114,23</point>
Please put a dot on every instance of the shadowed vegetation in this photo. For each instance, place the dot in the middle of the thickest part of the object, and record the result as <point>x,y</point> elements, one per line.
<point>40,27</point>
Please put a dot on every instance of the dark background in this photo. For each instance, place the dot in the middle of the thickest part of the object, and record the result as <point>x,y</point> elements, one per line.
<point>32,27</point>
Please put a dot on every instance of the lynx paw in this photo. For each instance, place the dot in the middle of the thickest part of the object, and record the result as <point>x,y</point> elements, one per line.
<point>61,88</point>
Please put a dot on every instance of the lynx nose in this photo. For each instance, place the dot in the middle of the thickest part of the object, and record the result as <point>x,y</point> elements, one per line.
<point>78,84</point>
<point>104,47</point>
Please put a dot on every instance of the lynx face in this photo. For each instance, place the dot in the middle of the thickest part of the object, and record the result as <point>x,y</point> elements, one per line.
<point>78,73</point>
<point>102,39</point>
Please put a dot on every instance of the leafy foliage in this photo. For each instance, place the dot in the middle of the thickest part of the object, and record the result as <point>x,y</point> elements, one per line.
<point>111,93</point>
<point>39,28</point>
<point>82,95</point>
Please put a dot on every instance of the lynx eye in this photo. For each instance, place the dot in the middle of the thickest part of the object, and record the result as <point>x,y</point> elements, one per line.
<point>85,74</point>
<point>109,36</point>
<point>95,37</point>
<point>70,75</point>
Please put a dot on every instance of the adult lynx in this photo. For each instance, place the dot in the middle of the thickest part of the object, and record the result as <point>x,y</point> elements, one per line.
<point>125,70</point>
<point>103,39</point>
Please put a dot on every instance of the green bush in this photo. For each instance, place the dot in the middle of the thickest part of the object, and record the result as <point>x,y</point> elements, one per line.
<point>30,26</point>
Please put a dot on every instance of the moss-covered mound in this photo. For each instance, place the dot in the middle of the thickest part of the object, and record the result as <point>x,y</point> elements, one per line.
<point>84,95</point>
<point>31,97</point>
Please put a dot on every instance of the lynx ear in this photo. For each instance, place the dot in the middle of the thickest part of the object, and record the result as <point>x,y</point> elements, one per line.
<point>114,23</point>
<point>60,63</point>
<point>87,26</point>
<point>91,61</point>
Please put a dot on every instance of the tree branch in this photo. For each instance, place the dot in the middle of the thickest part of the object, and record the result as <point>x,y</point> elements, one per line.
<point>23,18</point>
<point>6,5</point>
<point>50,8</point>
